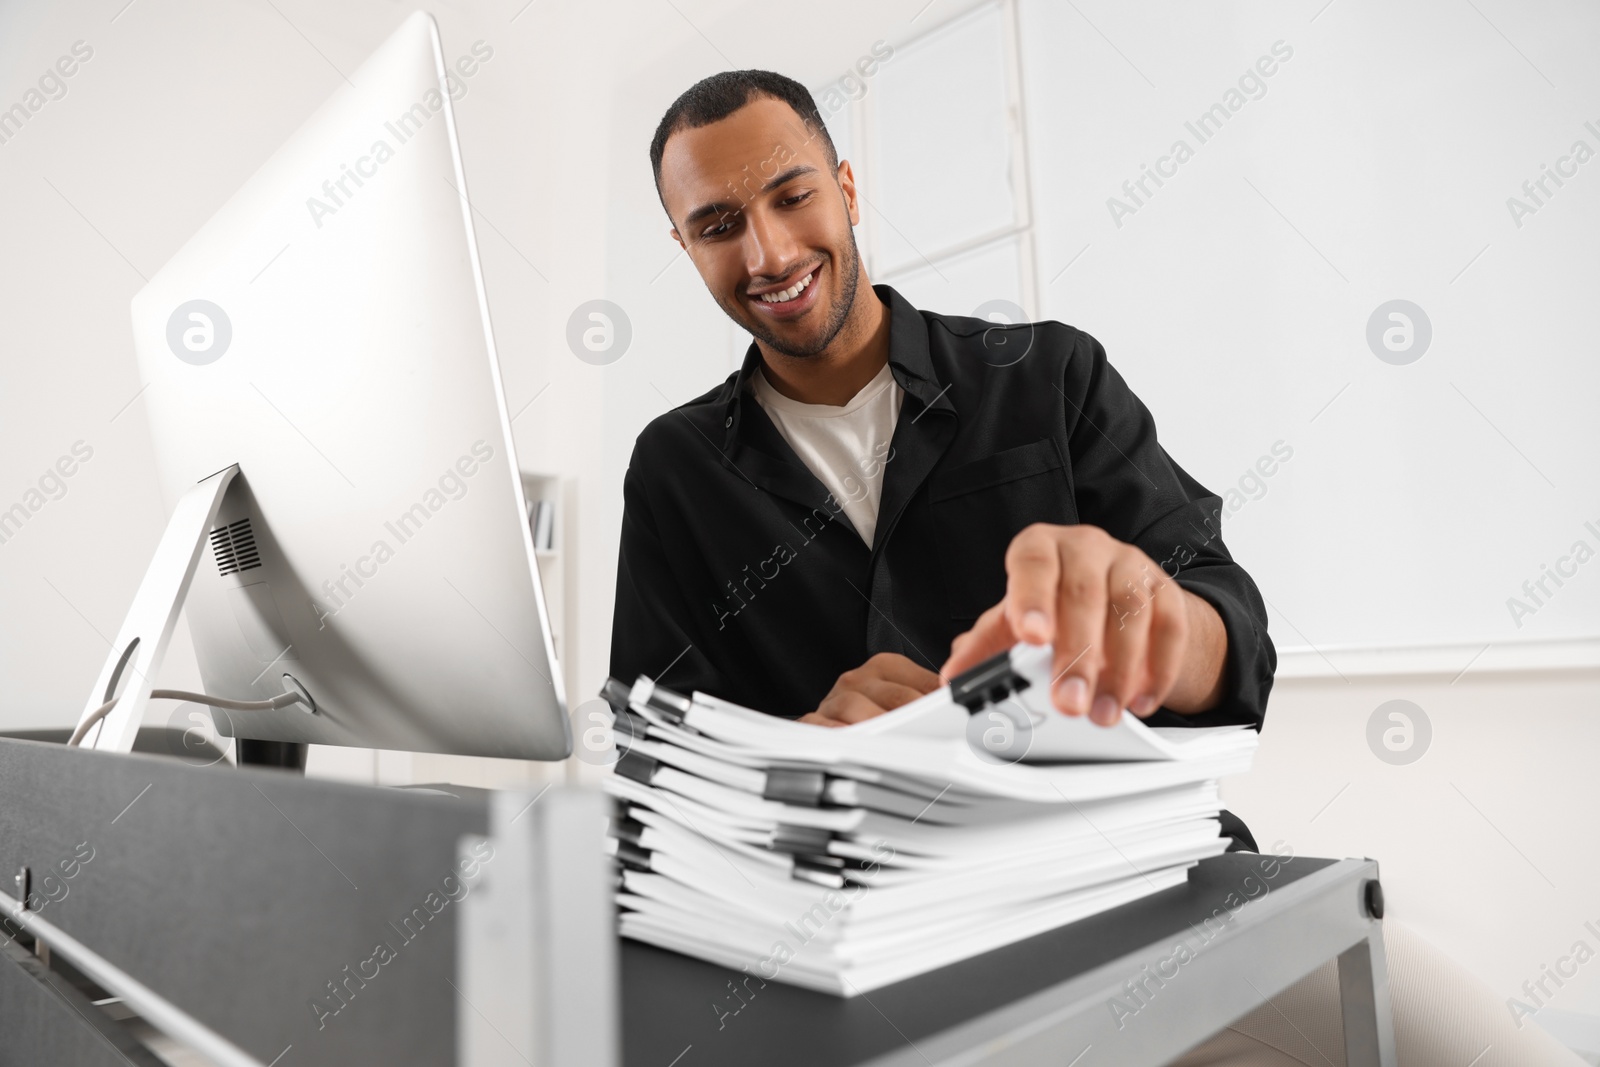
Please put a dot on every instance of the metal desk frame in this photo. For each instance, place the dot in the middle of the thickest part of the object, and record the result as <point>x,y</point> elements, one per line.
<point>535,958</point>
<point>1265,948</point>
<point>1240,930</point>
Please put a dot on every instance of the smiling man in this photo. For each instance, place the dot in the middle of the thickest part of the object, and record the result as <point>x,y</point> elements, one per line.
<point>882,496</point>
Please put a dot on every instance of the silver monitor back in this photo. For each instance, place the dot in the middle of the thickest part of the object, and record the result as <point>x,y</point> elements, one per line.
<point>328,332</point>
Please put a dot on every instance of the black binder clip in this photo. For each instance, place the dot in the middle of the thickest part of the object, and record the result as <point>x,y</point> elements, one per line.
<point>636,765</point>
<point>615,693</point>
<point>624,720</point>
<point>672,706</point>
<point>988,683</point>
<point>628,829</point>
<point>800,840</point>
<point>795,786</point>
<point>632,857</point>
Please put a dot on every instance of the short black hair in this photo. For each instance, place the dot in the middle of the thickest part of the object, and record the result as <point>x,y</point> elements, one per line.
<point>715,98</point>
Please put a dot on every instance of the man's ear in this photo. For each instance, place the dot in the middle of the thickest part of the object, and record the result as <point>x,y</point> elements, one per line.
<point>847,185</point>
<point>673,233</point>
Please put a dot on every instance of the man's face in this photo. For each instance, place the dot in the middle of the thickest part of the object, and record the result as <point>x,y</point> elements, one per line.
<point>767,223</point>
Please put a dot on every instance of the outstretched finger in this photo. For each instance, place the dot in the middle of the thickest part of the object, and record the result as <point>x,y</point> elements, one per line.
<point>1080,630</point>
<point>1169,637</point>
<point>1131,596</point>
<point>1033,569</point>
<point>990,635</point>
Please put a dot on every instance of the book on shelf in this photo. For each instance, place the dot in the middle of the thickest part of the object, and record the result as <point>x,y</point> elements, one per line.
<point>542,522</point>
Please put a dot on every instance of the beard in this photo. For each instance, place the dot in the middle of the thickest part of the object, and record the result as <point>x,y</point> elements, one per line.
<point>838,311</point>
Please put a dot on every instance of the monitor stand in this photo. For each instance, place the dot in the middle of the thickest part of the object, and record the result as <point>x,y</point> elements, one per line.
<point>285,755</point>
<point>141,644</point>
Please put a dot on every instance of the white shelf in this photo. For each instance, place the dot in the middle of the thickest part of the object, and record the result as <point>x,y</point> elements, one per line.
<point>1495,657</point>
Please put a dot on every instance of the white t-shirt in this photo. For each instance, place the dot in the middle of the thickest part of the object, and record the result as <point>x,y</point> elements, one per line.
<point>845,447</point>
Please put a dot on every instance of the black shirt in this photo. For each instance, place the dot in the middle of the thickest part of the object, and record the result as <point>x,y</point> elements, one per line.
<point>740,576</point>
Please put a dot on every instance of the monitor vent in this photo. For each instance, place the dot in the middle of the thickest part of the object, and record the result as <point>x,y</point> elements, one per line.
<point>234,547</point>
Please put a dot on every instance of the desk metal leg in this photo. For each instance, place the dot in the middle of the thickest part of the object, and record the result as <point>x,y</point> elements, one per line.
<point>536,961</point>
<point>1364,1002</point>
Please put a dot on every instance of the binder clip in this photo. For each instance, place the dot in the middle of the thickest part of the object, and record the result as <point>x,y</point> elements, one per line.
<point>988,683</point>
<point>619,694</point>
<point>672,706</point>
<point>624,720</point>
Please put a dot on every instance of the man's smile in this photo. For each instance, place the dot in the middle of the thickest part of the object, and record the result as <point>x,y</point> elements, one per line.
<point>788,300</point>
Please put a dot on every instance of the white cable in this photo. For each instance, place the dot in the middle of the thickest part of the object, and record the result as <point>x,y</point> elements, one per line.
<point>282,700</point>
<point>83,727</point>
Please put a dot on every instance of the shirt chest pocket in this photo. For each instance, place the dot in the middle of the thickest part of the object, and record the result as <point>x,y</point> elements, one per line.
<point>979,507</point>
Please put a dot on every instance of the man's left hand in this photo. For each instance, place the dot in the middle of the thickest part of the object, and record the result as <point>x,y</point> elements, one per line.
<point>1125,634</point>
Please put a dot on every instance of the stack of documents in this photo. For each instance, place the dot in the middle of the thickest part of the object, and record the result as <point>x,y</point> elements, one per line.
<point>846,858</point>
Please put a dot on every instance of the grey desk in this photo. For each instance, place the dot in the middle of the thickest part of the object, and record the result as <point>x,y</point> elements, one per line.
<point>242,912</point>
<point>246,904</point>
<point>1111,990</point>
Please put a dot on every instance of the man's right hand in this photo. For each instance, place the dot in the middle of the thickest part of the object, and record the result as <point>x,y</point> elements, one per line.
<point>881,684</point>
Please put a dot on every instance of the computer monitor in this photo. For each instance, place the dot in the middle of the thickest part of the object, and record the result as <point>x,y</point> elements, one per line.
<point>349,521</point>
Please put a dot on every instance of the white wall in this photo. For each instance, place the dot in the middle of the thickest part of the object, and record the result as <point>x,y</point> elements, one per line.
<point>1486,844</point>
<point>1231,328</point>
<point>1390,139</point>
<point>1375,164</point>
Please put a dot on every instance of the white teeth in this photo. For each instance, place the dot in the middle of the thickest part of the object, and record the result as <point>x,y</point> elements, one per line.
<point>788,294</point>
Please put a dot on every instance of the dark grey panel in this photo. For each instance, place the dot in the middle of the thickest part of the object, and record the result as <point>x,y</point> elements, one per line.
<point>240,895</point>
<point>47,1021</point>
<point>671,1002</point>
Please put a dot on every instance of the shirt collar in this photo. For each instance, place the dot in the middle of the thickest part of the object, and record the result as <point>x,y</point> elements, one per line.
<point>910,362</point>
